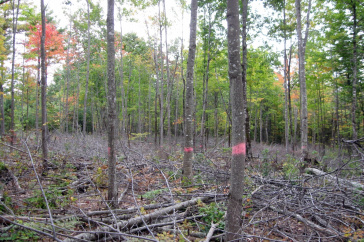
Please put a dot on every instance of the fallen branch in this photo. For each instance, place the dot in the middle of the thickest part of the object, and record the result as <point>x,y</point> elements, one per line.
<point>344,182</point>
<point>305,221</point>
<point>211,232</point>
<point>134,221</point>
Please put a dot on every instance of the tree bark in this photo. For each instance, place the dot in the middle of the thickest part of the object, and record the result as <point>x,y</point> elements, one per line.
<point>88,69</point>
<point>122,89</point>
<point>234,208</point>
<point>44,93</point>
<point>12,109</point>
<point>286,119</point>
<point>302,77</point>
<point>188,147</point>
<point>355,72</point>
<point>161,96</point>
<point>244,68</point>
<point>111,97</point>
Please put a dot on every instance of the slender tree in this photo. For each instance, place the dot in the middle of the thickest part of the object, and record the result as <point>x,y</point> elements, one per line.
<point>111,97</point>
<point>44,92</point>
<point>188,149</point>
<point>15,24</point>
<point>234,209</point>
<point>88,69</point>
<point>302,76</point>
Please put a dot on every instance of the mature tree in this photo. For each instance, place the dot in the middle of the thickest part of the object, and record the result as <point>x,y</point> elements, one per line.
<point>44,92</point>
<point>188,147</point>
<point>15,24</point>
<point>234,209</point>
<point>111,97</point>
<point>88,67</point>
<point>302,76</point>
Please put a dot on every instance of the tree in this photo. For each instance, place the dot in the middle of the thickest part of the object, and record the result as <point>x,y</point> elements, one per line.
<point>234,208</point>
<point>88,68</point>
<point>302,76</point>
<point>44,92</point>
<point>111,98</point>
<point>15,24</point>
<point>188,147</point>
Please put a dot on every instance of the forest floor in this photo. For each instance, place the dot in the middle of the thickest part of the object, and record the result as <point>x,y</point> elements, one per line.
<point>283,201</point>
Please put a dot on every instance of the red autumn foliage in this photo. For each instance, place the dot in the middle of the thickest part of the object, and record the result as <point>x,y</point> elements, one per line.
<point>53,43</point>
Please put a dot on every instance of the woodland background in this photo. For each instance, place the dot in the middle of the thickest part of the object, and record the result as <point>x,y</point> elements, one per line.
<point>319,199</point>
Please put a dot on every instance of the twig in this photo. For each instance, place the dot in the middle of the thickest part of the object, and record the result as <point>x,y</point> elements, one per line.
<point>43,193</point>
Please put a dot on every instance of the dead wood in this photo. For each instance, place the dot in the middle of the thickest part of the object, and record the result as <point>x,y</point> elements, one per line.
<point>134,221</point>
<point>352,185</point>
<point>211,232</point>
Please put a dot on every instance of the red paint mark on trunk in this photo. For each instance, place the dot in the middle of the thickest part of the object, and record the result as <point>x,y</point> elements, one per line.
<point>239,149</point>
<point>108,150</point>
<point>188,149</point>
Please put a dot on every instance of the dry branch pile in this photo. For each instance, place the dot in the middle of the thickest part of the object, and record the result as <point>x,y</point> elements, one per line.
<point>311,206</point>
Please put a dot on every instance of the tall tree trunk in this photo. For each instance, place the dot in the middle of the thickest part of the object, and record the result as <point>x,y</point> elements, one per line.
<point>216,102</point>
<point>139,106</point>
<point>156,98</point>
<point>67,78</point>
<point>44,93</point>
<point>302,77</point>
<point>234,207</point>
<point>261,123</point>
<point>206,86</point>
<point>161,97</point>
<point>169,82</point>
<point>12,109</point>
<point>37,96</point>
<point>88,69</point>
<point>111,98</point>
<point>244,68</point>
<point>355,72</point>
<point>122,88</point>
<point>188,147</point>
<point>286,119</point>
<point>2,117</point>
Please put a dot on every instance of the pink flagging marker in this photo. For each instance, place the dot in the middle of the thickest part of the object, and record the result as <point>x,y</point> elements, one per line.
<point>239,149</point>
<point>188,149</point>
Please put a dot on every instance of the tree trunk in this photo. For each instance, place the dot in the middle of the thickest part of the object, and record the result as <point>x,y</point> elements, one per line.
<point>12,109</point>
<point>244,67</point>
<point>2,123</point>
<point>188,147</point>
<point>122,88</point>
<point>261,123</point>
<point>111,98</point>
<point>302,77</point>
<point>44,93</point>
<point>234,207</point>
<point>286,119</point>
<point>161,97</point>
<point>355,73</point>
<point>169,82</point>
<point>88,69</point>
<point>68,80</point>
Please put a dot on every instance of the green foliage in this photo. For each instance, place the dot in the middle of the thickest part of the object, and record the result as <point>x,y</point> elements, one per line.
<point>291,168</point>
<point>101,177</point>
<point>6,201</point>
<point>19,234</point>
<point>213,213</point>
<point>154,193</point>
<point>56,198</point>
<point>138,136</point>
